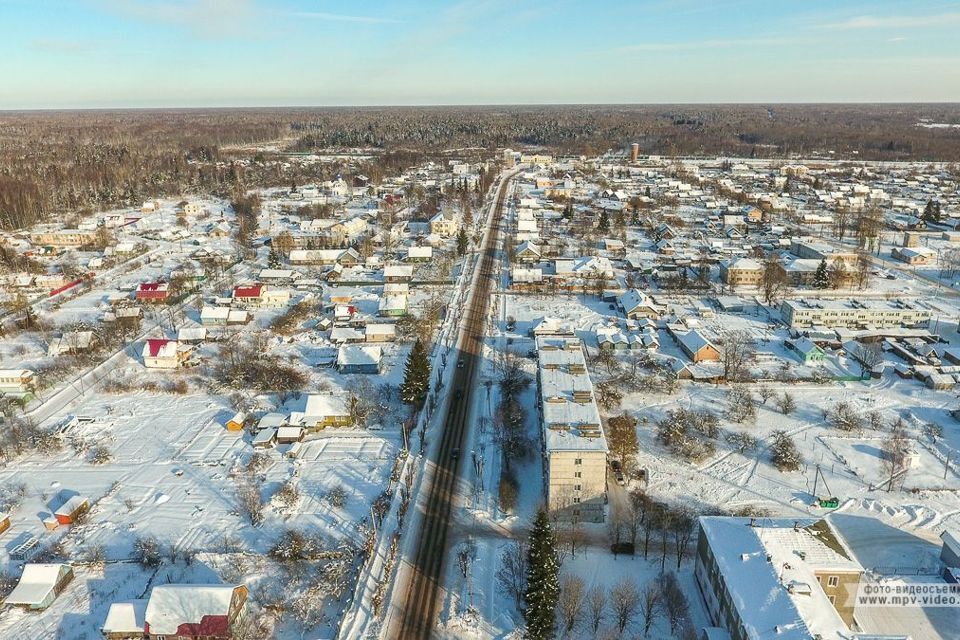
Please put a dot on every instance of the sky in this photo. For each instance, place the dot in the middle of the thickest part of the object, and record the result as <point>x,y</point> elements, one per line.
<point>58,54</point>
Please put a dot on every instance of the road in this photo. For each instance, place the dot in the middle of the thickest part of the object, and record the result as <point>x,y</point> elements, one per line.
<point>419,598</point>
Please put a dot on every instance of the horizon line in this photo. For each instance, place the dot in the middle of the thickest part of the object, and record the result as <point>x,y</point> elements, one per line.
<point>479,105</point>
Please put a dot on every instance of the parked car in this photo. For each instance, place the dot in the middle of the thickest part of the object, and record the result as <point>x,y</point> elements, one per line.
<point>617,470</point>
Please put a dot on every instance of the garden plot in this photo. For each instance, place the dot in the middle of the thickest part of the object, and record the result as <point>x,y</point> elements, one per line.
<point>864,456</point>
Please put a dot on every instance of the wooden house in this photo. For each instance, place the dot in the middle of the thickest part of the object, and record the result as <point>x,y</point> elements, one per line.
<point>73,508</point>
<point>697,347</point>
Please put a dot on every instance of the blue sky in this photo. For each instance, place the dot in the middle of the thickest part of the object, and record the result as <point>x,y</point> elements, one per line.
<point>193,53</point>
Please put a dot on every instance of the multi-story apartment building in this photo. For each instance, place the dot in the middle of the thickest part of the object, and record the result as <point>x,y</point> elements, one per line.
<point>64,238</point>
<point>741,271</point>
<point>813,249</point>
<point>881,314</point>
<point>777,578</point>
<point>574,446</point>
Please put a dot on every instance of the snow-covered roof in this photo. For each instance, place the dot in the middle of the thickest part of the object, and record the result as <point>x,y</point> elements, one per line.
<point>192,333</point>
<point>571,420</point>
<point>358,354</point>
<point>171,605</point>
<point>159,348</point>
<point>398,271</point>
<point>36,583</point>
<point>214,313</point>
<point>322,405</point>
<point>760,563</point>
<point>693,341</point>
<point>419,252</point>
<point>125,617</point>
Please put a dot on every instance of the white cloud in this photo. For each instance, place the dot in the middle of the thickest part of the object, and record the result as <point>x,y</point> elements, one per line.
<point>896,22</point>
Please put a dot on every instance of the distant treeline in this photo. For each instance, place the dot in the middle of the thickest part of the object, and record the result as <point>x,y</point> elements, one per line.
<point>56,162</point>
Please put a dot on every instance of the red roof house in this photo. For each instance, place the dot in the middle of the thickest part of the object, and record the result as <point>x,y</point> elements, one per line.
<point>248,292</point>
<point>185,611</point>
<point>152,291</point>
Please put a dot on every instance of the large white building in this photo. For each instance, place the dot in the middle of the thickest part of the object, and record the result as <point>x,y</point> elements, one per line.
<point>880,314</point>
<point>574,446</point>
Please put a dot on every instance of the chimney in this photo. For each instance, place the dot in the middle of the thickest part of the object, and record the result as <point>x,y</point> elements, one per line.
<point>634,152</point>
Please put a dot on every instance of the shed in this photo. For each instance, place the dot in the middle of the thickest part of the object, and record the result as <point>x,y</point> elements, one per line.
<point>236,422</point>
<point>125,620</point>
<point>70,510</point>
<point>265,438</point>
<point>39,585</point>
<point>289,434</point>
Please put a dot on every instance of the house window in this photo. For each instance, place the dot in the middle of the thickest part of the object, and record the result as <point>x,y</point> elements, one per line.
<point>833,600</point>
<point>577,487</point>
<point>576,500</point>
<point>578,461</point>
<point>578,474</point>
<point>833,581</point>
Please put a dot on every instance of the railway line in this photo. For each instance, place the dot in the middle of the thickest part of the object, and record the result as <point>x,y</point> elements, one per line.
<point>421,597</point>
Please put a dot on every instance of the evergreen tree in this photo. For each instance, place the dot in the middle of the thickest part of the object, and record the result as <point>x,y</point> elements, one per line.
<point>416,376</point>
<point>462,241</point>
<point>931,212</point>
<point>603,225</point>
<point>543,580</point>
<point>273,260</point>
<point>821,279</point>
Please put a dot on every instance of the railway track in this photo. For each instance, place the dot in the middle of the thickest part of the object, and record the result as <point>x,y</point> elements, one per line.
<point>422,595</point>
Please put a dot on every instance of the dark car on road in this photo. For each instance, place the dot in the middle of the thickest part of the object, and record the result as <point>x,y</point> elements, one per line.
<point>617,470</point>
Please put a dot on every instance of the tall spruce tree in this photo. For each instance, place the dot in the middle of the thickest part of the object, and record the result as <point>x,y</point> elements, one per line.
<point>462,241</point>
<point>416,376</point>
<point>931,212</point>
<point>821,279</point>
<point>543,580</point>
<point>603,225</point>
<point>273,259</point>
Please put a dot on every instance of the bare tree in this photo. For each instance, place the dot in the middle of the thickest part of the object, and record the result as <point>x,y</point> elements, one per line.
<point>893,455</point>
<point>774,281</point>
<point>596,604</point>
<point>765,392</point>
<point>868,356</point>
<point>572,598</point>
<point>675,604</point>
<point>651,601</point>
<point>624,602</point>
<point>786,404</point>
<point>739,350</point>
<point>512,574</point>
<point>622,438</point>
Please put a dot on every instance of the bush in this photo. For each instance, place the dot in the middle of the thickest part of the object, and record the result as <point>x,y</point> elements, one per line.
<point>147,552</point>
<point>784,452</point>
<point>100,454</point>
<point>742,441</point>
<point>293,546</point>
<point>337,497</point>
<point>287,496</point>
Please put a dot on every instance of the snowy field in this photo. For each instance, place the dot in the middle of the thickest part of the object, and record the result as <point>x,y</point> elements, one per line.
<point>173,476</point>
